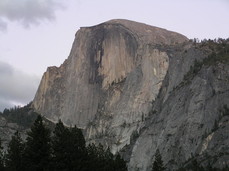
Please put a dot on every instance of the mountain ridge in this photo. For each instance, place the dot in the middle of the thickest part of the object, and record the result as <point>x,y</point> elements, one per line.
<point>145,31</point>
<point>125,79</point>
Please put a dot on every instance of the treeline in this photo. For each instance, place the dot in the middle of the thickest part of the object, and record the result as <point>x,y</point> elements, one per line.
<point>218,49</point>
<point>64,149</point>
<point>218,52</point>
<point>192,165</point>
<point>23,116</point>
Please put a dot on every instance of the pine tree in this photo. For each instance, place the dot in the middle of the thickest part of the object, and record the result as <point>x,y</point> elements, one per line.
<point>120,164</point>
<point>98,158</point>
<point>69,151</point>
<point>14,153</point>
<point>60,157</point>
<point>158,163</point>
<point>63,148</point>
<point>77,148</point>
<point>103,160</point>
<point>38,149</point>
<point>93,161</point>
<point>1,156</point>
<point>109,163</point>
<point>196,166</point>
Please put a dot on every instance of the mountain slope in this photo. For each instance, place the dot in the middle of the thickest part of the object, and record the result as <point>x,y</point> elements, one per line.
<point>191,118</point>
<point>18,119</point>
<point>109,80</point>
<point>136,88</point>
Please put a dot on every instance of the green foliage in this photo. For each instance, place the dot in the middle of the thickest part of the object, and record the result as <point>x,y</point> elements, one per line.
<point>119,164</point>
<point>1,156</point>
<point>225,111</point>
<point>60,159</point>
<point>76,148</point>
<point>196,166</point>
<point>134,136</point>
<point>219,53</point>
<point>64,151</point>
<point>193,165</point>
<point>158,163</point>
<point>38,148</point>
<point>23,116</point>
<point>14,154</point>
<point>193,71</point>
<point>69,151</point>
<point>103,160</point>
<point>97,157</point>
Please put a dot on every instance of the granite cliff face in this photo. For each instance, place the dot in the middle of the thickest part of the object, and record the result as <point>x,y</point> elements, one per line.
<point>105,60</point>
<point>109,80</point>
<point>190,118</point>
<point>123,83</point>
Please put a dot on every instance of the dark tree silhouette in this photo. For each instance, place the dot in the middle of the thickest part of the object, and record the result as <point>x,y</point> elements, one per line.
<point>14,154</point>
<point>119,163</point>
<point>103,160</point>
<point>1,156</point>
<point>196,166</point>
<point>69,151</point>
<point>158,163</point>
<point>38,148</point>
<point>77,148</point>
<point>64,151</point>
<point>60,157</point>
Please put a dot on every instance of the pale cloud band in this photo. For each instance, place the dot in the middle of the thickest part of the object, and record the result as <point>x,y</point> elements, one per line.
<point>28,12</point>
<point>16,87</point>
<point>3,25</point>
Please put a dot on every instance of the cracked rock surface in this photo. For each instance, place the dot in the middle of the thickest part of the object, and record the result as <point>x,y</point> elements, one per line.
<point>123,83</point>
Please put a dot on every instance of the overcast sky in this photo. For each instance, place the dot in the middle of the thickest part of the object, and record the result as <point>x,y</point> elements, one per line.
<point>35,34</point>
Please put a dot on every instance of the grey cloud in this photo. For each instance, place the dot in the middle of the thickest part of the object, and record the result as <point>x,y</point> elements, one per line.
<point>4,104</point>
<point>28,12</point>
<point>16,87</point>
<point>5,68</point>
<point>3,25</point>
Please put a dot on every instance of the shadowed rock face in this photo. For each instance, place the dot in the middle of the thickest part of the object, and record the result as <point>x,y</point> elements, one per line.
<point>187,119</point>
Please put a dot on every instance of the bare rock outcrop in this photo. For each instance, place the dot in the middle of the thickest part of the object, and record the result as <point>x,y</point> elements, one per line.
<point>190,118</point>
<point>107,84</point>
<point>125,83</point>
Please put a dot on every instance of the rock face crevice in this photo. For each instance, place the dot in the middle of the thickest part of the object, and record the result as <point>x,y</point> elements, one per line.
<point>124,80</point>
